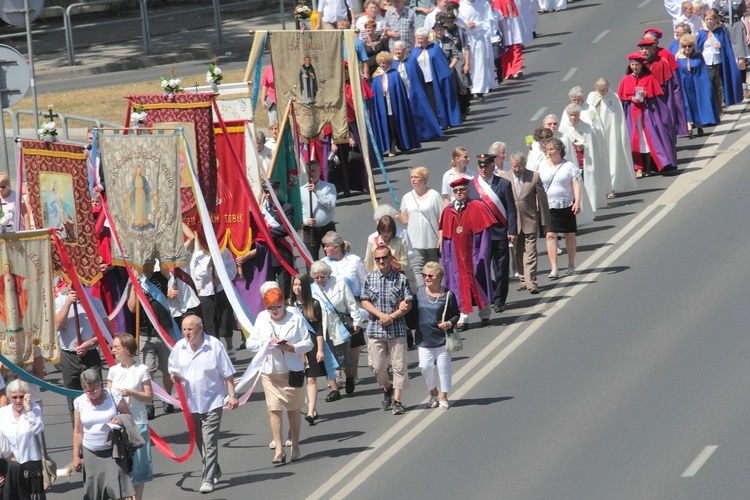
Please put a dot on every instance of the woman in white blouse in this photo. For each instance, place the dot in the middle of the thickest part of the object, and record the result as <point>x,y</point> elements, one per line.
<point>287,333</point>
<point>21,426</point>
<point>420,212</point>
<point>132,379</point>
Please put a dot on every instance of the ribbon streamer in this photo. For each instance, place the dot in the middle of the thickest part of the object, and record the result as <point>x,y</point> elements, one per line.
<point>28,377</point>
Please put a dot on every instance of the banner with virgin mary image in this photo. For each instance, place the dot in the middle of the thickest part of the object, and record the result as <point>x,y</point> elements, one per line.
<point>27,309</point>
<point>58,190</point>
<point>143,197</point>
<point>308,67</point>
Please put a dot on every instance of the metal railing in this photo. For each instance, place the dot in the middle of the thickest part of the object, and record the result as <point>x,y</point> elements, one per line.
<point>65,128</point>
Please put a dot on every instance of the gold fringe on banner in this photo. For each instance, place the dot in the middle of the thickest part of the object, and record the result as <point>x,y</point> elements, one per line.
<point>240,129</point>
<point>54,154</point>
<point>173,105</point>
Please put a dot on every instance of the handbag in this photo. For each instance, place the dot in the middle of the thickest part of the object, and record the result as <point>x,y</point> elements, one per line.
<point>453,341</point>
<point>333,161</point>
<point>345,317</point>
<point>49,466</point>
<point>296,379</point>
<point>354,157</point>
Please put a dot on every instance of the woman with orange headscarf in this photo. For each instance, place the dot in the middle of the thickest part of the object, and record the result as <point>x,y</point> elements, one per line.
<point>283,369</point>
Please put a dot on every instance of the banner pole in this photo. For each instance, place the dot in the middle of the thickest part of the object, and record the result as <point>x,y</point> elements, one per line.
<point>281,131</point>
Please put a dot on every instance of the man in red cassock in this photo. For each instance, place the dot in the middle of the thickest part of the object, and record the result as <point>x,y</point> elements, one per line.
<point>465,250</point>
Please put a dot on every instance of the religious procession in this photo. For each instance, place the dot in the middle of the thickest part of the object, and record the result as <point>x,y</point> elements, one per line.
<point>146,262</point>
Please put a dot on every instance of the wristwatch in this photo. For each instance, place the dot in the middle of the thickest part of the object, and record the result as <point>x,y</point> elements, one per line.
<point>233,395</point>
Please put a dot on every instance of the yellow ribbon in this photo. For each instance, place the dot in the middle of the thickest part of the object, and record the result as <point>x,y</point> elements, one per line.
<point>173,105</point>
<point>54,154</point>
<point>239,129</point>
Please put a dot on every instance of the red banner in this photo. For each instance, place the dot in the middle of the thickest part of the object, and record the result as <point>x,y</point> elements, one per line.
<point>194,114</point>
<point>231,218</point>
<point>58,185</point>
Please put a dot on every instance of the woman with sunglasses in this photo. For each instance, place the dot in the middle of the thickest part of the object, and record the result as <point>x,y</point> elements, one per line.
<point>438,313</point>
<point>287,333</point>
<point>21,425</point>
<point>132,379</point>
<point>103,476</point>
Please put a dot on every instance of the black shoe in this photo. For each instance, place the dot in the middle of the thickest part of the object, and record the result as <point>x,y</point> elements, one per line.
<point>310,419</point>
<point>700,131</point>
<point>485,321</point>
<point>169,408</point>
<point>398,408</point>
<point>333,396</point>
<point>387,398</point>
<point>150,411</point>
<point>349,387</point>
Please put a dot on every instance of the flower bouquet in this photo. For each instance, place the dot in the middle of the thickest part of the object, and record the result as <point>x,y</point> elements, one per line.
<point>138,116</point>
<point>48,130</point>
<point>171,86</point>
<point>302,14</point>
<point>214,77</point>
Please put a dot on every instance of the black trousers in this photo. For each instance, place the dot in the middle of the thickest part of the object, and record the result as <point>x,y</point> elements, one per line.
<point>501,269</point>
<point>73,365</point>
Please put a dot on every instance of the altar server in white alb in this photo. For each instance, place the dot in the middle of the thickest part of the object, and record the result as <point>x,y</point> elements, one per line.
<point>608,106</point>
<point>480,22</point>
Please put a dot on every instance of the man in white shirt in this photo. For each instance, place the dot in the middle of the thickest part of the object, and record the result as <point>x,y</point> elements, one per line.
<point>333,11</point>
<point>318,209</point>
<point>201,365</point>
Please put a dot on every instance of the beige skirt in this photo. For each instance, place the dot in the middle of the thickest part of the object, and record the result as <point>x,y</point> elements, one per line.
<point>280,396</point>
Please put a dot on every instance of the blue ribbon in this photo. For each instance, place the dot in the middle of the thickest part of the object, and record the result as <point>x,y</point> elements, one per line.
<point>257,77</point>
<point>158,296</point>
<point>328,358</point>
<point>69,393</point>
<point>374,145</point>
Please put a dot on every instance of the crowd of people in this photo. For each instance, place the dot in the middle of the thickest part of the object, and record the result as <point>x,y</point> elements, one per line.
<point>428,265</point>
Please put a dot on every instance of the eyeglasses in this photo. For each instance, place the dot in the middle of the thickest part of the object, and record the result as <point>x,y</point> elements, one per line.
<point>16,397</point>
<point>3,186</point>
<point>428,276</point>
<point>320,278</point>
<point>116,347</point>
<point>460,190</point>
<point>92,391</point>
<point>275,308</point>
<point>380,259</point>
<point>684,47</point>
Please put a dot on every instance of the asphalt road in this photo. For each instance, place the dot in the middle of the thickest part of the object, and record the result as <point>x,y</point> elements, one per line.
<point>614,384</point>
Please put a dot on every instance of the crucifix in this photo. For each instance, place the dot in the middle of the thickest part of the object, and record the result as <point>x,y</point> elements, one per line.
<point>215,60</point>
<point>49,115</point>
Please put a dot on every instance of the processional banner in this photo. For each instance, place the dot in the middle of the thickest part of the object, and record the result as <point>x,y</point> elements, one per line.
<point>194,113</point>
<point>307,67</point>
<point>58,183</point>
<point>230,220</point>
<point>27,306</point>
<point>143,197</point>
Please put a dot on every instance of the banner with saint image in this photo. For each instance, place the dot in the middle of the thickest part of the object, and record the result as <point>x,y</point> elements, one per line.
<point>27,306</point>
<point>58,190</point>
<point>308,67</point>
<point>143,197</point>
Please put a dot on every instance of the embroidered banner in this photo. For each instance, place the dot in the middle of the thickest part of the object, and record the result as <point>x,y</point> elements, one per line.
<point>180,110</point>
<point>231,219</point>
<point>58,184</point>
<point>26,300</point>
<point>307,67</point>
<point>142,173</point>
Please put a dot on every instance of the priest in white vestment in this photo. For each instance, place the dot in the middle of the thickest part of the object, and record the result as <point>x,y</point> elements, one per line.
<point>480,22</point>
<point>609,107</point>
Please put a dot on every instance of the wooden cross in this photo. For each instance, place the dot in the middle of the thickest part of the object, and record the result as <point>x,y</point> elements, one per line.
<point>215,60</point>
<point>171,73</point>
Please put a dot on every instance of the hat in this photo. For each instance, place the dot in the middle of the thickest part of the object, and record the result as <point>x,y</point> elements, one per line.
<point>485,159</point>
<point>636,57</point>
<point>653,31</point>
<point>274,184</point>
<point>438,24</point>
<point>463,181</point>
<point>646,41</point>
<point>448,16</point>
<point>273,296</point>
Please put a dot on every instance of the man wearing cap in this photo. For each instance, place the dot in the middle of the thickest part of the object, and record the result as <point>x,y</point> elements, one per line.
<point>532,209</point>
<point>277,230</point>
<point>201,365</point>
<point>496,193</point>
<point>466,252</point>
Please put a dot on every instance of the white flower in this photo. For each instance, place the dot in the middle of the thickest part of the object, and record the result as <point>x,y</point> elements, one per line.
<point>164,83</point>
<point>134,117</point>
<point>40,131</point>
<point>49,126</point>
<point>142,116</point>
<point>217,71</point>
<point>177,82</point>
<point>209,78</point>
<point>172,83</point>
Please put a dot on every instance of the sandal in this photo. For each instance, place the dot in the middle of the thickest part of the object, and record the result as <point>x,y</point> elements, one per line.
<point>433,402</point>
<point>443,405</point>
<point>639,173</point>
<point>553,275</point>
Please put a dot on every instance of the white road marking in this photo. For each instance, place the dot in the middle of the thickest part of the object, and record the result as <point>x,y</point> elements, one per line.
<point>643,4</point>
<point>699,461</point>
<point>569,74</point>
<point>358,470</point>
<point>600,36</point>
<point>536,116</point>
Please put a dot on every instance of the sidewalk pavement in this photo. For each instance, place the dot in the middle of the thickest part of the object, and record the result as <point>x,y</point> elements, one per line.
<point>107,44</point>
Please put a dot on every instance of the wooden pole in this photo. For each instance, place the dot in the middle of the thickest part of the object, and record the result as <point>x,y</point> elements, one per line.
<point>282,125</point>
<point>137,321</point>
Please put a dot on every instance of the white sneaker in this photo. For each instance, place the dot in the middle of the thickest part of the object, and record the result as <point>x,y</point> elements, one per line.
<point>206,487</point>
<point>571,271</point>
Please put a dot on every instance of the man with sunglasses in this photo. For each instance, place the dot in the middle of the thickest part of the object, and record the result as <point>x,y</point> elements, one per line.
<point>466,252</point>
<point>387,297</point>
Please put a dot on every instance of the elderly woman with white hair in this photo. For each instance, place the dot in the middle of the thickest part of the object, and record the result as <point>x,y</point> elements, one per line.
<point>336,300</point>
<point>499,149</point>
<point>588,114</point>
<point>589,149</point>
<point>420,211</point>
<point>21,426</point>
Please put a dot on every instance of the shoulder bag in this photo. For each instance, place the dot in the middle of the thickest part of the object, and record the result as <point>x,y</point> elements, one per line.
<point>49,467</point>
<point>346,319</point>
<point>453,342</point>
